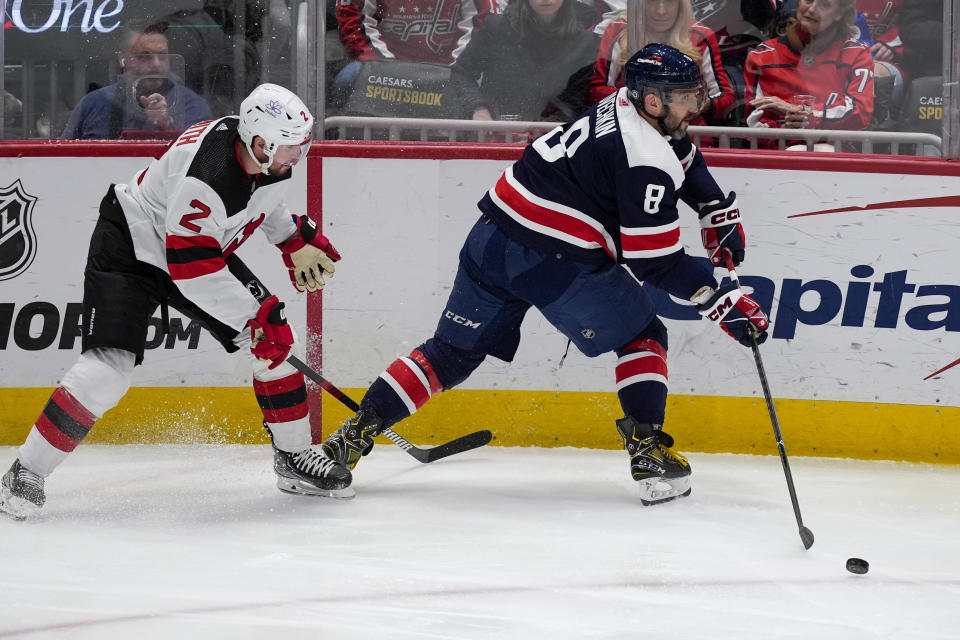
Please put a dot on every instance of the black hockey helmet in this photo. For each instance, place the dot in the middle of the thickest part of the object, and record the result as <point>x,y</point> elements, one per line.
<point>660,68</point>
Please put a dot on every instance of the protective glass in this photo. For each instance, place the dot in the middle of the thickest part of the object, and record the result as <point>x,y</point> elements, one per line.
<point>153,80</point>
<point>290,154</point>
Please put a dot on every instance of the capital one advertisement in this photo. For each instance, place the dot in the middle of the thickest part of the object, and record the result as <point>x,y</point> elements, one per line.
<point>857,271</point>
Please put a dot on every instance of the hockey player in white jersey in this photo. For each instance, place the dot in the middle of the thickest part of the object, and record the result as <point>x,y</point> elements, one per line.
<point>167,238</point>
<point>584,201</point>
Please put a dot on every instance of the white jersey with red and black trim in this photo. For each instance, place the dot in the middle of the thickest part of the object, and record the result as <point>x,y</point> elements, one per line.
<point>606,187</point>
<point>194,205</point>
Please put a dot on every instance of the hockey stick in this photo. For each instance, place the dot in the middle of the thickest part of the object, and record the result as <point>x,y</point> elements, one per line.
<point>458,445</point>
<point>806,536</point>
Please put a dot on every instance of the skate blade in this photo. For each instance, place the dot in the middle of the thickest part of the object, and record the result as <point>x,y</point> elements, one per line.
<point>658,490</point>
<point>16,508</point>
<point>297,488</point>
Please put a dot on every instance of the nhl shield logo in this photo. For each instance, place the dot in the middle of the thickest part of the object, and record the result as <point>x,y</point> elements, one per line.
<point>18,241</point>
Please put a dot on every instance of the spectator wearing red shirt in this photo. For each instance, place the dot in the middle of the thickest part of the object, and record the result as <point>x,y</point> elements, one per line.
<point>817,55</point>
<point>668,22</point>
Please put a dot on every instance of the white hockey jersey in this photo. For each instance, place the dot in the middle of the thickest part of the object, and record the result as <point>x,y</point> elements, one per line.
<point>194,205</point>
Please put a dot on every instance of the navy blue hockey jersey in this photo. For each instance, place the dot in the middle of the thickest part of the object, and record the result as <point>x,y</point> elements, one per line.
<point>606,187</point>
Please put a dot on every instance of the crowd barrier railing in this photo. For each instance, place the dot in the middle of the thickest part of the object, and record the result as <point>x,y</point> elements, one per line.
<point>425,129</point>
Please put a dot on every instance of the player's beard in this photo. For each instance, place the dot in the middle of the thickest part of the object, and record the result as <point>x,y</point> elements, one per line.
<point>674,125</point>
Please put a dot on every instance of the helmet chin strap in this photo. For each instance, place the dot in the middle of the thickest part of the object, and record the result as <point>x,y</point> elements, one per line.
<point>264,166</point>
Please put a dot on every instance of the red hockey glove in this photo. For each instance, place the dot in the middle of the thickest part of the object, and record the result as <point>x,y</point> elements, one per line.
<point>308,254</point>
<point>271,336</point>
<point>721,230</point>
<point>736,313</point>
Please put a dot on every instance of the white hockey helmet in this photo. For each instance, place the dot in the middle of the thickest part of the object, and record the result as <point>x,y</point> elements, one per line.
<point>279,117</point>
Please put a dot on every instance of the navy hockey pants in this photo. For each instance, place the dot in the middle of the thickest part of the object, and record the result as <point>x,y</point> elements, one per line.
<point>599,307</point>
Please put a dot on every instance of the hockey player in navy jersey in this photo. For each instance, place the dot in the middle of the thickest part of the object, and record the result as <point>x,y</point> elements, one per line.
<point>167,238</point>
<point>584,201</point>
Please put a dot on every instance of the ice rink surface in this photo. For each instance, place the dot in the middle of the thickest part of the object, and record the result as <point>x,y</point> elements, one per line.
<point>196,542</point>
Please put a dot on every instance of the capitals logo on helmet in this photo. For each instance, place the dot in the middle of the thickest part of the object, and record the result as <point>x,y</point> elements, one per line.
<point>278,116</point>
<point>660,68</point>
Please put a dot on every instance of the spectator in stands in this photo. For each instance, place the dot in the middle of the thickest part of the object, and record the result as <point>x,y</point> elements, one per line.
<point>12,108</point>
<point>921,27</point>
<point>883,21</point>
<point>408,30</point>
<point>739,25</point>
<point>518,64</point>
<point>223,61</point>
<point>669,22</point>
<point>818,55</point>
<point>411,30</point>
<point>147,96</point>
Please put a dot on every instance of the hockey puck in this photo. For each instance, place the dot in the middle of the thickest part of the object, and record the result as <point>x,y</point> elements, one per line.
<point>858,566</point>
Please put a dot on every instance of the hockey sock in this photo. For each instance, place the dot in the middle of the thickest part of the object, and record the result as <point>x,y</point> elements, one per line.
<point>642,380</point>
<point>404,387</point>
<point>410,381</point>
<point>63,424</point>
<point>283,402</point>
<point>90,388</point>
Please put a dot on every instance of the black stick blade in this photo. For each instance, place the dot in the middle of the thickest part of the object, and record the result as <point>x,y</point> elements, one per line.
<point>470,441</point>
<point>806,536</point>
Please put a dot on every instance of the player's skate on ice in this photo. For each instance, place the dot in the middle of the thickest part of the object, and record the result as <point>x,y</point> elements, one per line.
<point>662,473</point>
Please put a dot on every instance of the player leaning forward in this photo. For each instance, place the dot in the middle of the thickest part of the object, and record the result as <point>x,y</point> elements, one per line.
<point>166,239</point>
<point>556,230</point>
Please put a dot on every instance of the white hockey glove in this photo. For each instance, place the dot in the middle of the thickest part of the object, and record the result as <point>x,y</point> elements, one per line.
<point>308,255</point>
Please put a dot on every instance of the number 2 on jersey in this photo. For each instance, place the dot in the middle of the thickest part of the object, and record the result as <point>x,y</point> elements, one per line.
<point>202,212</point>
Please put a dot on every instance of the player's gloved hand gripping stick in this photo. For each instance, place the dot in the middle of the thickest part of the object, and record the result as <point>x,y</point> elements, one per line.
<point>806,536</point>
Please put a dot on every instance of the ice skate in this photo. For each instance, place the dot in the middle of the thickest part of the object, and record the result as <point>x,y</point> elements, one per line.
<point>309,473</point>
<point>21,492</point>
<point>354,439</point>
<point>661,473</point>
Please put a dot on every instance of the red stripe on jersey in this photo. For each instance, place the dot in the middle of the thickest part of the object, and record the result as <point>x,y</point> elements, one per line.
<point>435,386</point>
<point>409,382</point>
<point>192,242</point>
<point>548,217</point>
<point>288,414</point>
<point>283,385</point>
<point>652,241</point>
<point>639,365</point>
<point>196,269</point>
<point>646,344</point>
<point>52,434</point>
<point>72,406</point>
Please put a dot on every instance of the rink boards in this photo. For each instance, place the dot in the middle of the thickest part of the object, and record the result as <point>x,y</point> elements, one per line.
<point>852,258</point>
